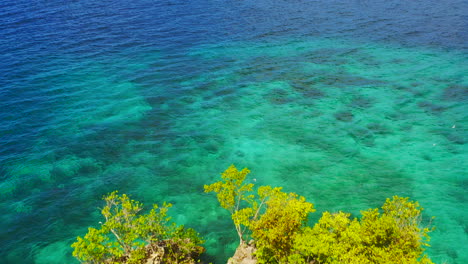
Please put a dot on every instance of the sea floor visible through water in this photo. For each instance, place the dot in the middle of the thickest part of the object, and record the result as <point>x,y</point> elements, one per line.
<point>345,124</point>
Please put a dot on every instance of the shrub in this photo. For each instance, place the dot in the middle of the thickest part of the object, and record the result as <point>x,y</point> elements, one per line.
<point>128,236</point>
<point>276,221</point>
<point>270,216</point>
<point>392,235</point>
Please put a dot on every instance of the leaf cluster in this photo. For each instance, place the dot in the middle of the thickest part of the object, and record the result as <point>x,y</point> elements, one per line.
<point>390,235</point>
<point>274,230</point>
<point>277,222</point>
<point>270,216</point>
<point>129,236</point>
<point>235,196</point>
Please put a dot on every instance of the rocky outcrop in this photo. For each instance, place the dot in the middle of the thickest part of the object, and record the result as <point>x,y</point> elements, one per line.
<point>156,256</point>
<point>163,252</point>
<point>173,251</point>
<point>244,254</point>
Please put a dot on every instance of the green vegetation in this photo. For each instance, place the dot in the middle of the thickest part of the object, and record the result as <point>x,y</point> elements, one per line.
<point>271,217</point>
<point>393,236</point>
<point>127,236</point>
<point>276,221</point>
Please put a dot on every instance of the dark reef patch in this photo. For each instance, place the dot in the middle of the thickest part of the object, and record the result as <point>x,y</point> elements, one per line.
<point>206,86</point>
<point>225,91</point>
<point>431,107</point>
<point>378,128</point>
<point>211,147</point>
<point>156,100</point>
<point>345,116</point>
<point>88,167</point>
<point>328,56</point>
<point>188,99</point>
<point>306,89</point>
<point>455,136</point>
<point>361,102</point>
<point>345,80</point>
<point>363,136</point>
<point>278,96</point>
<point>457,93</point>
<point>261,68</point>
<point>427,157</point>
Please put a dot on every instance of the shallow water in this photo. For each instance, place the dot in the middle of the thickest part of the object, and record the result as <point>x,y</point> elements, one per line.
<point>344,102</point>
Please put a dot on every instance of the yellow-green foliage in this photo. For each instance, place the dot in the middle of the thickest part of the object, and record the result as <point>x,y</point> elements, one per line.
<point>95,247</point>
<point>276,221</point>
<point>390,236</point>
<point>232,194</point>
<point>271,216</point>
<point>125,233</point>
<point>274,231</point>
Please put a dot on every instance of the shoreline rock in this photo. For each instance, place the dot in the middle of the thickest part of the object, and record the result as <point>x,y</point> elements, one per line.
<point>244,254</point>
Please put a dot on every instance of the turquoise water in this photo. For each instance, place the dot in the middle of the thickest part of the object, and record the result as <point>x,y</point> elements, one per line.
<point>344,121</point>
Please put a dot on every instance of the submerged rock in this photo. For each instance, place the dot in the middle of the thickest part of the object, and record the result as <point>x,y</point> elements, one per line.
<point>362,102</point>
<point>431,107</point>
<point>279,96</point>
<point>456,92</point>
<point>345,116</point>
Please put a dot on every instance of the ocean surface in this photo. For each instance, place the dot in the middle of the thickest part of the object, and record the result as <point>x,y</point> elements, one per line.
<point>346,102</point>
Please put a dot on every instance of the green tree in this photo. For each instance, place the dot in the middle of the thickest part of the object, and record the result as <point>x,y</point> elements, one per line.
<point>270,216</point>
<point>392,235</point>
<point>128,236</point>
<point>274,231</point>
<point>277,222</point>
<point>235,196</point>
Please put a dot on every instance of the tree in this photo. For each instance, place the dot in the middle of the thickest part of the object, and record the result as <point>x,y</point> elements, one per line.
<point>232,194</point>
<point>392,235</point>
<point>274,219</point>
<point>271,217</point>
<point>274,231</point>
<point>128,236</point>
<point>277,222</point>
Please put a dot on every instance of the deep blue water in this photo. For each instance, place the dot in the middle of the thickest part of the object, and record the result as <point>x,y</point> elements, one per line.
<point>344,102</point>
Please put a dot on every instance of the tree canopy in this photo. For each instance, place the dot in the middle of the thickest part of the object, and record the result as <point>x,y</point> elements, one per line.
<point>129,236</point>
<point>276,221</point>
